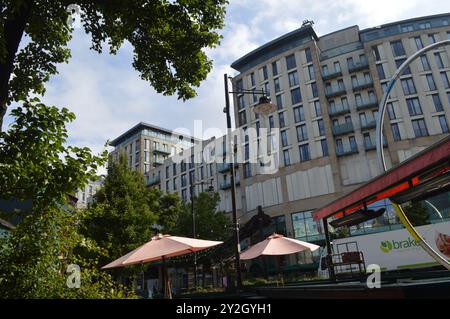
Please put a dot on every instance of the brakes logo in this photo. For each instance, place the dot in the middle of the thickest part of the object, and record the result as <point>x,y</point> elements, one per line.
<point>388,245</point>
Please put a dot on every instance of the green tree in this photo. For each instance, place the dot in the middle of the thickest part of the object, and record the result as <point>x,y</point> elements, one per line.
<point>417,214</point>
<point>121,219</point>
<point>34,260</point>
<point>35,161</point>
<point>169,38</point>
<point>167,207</point>
<point>210,224</point>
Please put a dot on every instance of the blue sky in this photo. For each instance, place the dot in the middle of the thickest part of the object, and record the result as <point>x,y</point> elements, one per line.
<point>108,97</point>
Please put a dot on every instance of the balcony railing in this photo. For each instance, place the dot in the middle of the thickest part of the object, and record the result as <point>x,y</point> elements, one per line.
<point>342,129</point>
<point>364,105</point>
<point>333,92</point>
<point>227,184</point>
<point>370,146</point>
<point>340,109</point>
<point>225,167</point>
<point>331,75</point>
<point>158,162</point>
<point>346,151</point>
<point>362,86</point>
<point>358,66</point>
<point>163,150</point>
<point>368,125</point>
<point>153,180</point>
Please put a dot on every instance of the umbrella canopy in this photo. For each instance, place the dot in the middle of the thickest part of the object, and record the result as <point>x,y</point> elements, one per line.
<point>162,247</point>
<point>277,245</point>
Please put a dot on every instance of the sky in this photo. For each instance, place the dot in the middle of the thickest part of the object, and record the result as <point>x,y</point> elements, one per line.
<point>108,97</point>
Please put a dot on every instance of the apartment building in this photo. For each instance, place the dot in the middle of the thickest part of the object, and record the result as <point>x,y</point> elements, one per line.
<point>147,146</point>
<point>85,196</point>
<point>327,90</point>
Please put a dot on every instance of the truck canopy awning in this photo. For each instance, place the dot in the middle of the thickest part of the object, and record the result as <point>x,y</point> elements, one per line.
<point>431,163</point>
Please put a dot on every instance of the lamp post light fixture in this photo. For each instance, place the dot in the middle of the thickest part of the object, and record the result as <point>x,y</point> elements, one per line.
<point>210,189</point>
<point>264,107</point>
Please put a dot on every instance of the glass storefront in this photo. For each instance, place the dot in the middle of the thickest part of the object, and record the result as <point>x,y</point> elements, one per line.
<point>305,228</point>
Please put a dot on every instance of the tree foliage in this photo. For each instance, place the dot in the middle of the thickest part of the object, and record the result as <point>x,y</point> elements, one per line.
<point>167,207</point>
<point>168,37</point>
<point>34,260</point>
<point>35,161</point>
<point>121,219</point>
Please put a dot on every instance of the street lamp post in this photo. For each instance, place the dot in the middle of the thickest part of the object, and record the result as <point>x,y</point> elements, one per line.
<point>264,107</point>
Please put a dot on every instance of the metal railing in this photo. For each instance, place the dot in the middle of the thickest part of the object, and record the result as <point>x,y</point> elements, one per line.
<point>341,129</point>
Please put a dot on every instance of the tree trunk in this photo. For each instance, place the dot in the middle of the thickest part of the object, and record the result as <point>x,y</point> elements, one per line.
<point>13,30</point>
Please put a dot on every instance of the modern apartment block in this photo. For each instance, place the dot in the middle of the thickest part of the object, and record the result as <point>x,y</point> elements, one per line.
<point>327,90</point>
<point>147,146</point>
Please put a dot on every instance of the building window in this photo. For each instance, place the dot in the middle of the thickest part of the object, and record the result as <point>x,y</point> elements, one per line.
<point>367,140</point>
<point>339,146</point>
<point>183,180</point>
<point>353,144</point>
<point>314,89</point>
<point>276,84</point>
<point>443,123</point>
<point>299,114</point>
<point>267,89</point>
<point>380,71</point>
<point>296,96</point>
<point>396,132</point>
<point>306,228</point>
<point>284,139</point>
<point>444,78</point>
<point>376,53</point>
<point>419,43</point>
<point>324,145</point>
<point>391,111</point>
<point>408,86</point>
<point>399,62</point>
<point>420,129</point>
<point>286,158</point>
<point>302,133</point>
<point>290,62</point>
<point>431,38</point>
<point>317,108</point>
<point>397,48</point>
<point>271,122</point>
<point>308,55</point>
<point>184,195</point>
<point>174,169</point>
<point>263,72</point>
<point>304,153</point>
<point>241,103</point>
<point>282,120</point>
<point>425,63</point>
<point>311,73</point>
<point>279,99</point>
<point>275,68</point>
<point>321,126</point>
<point>437,102</point>
<point>239,85</point>
<point>439,62</point>
<point>242,118</point>
<point>350,63</point>
<point>293,78</point>
<point>247,170</point>
<point>414,107</point>
<point>174,183</point>
<point>431,83</point>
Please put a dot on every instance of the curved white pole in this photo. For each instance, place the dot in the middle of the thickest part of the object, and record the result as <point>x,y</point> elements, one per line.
<point>380,151</point>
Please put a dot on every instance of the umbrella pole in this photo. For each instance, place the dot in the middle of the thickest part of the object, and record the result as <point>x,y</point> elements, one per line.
<point>167,291</point>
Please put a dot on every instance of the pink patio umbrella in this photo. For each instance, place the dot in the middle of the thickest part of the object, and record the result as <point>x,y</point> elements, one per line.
<point>162,247</point>
<point>277,245</point>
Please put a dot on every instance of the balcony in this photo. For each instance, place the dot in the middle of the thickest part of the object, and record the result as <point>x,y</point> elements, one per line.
<point>162,150</point>
<point>368,125</point>
<point>345,151</point>
<point>362,86</point>
<point>333,92</point>
<point>342,129</point>
<point>153,180</point>
<point>370,146</point>
<point>225,167</point>
<point>358,66</point>
<point>227,184</point>
<point>333,75</point>
<point>158,162</point>
<point>336,110</point>
<point>365,105</point>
